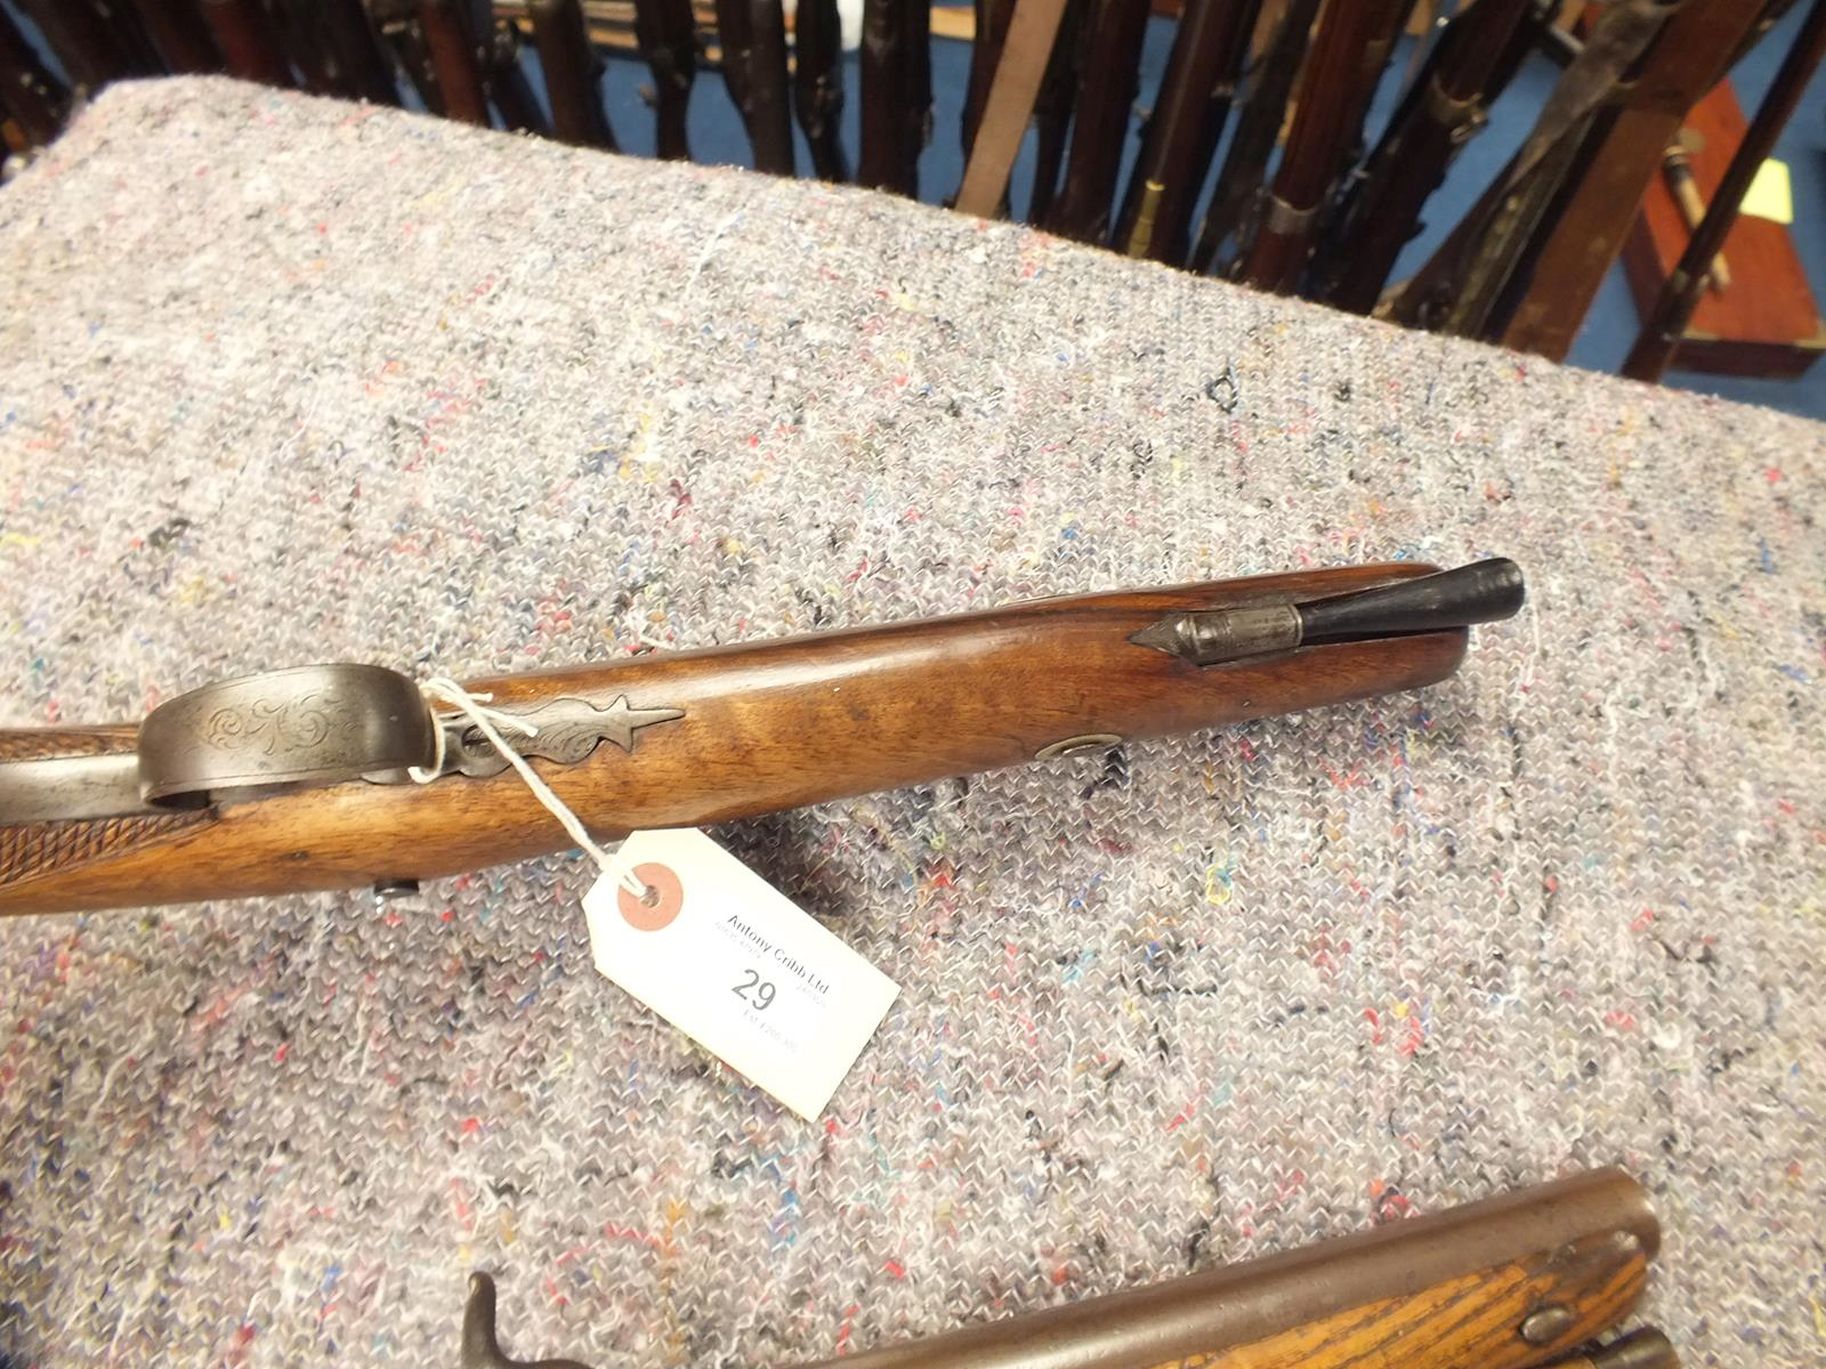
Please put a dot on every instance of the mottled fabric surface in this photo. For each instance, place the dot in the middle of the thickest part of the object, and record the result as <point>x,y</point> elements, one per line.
<point>285,380</point>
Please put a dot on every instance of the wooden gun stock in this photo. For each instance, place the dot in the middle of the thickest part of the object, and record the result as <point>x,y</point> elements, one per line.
<point>1515,1281</point>
<point>677,740</point>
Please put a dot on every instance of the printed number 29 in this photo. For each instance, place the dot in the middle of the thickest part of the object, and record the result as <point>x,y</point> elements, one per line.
<point>763,991</point>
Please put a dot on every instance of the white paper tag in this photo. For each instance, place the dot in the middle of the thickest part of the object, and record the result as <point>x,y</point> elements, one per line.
<point>737,966</point>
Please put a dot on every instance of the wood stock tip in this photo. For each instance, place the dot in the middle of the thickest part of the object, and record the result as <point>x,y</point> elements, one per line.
<point>1619,1200</point>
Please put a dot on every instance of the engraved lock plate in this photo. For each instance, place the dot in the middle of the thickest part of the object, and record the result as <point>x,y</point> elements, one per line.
<point>319,724</point>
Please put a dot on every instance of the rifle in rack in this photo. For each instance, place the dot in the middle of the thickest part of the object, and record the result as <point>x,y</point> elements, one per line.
<point>361,68</point>
<point>302,779</point>
<point>295,28</point>
<point>753,34</point>
<point>1459,289</point>
<point>1562,270</point>
<point>1113,35</point>
<point>1237,202</point>
<point>666,32</point>
<point>818,85</point>
<point>1467,68</point>
<point>93,46</point>
<point>1182,133</point>
<point>1348,53</point>
<point>504,78</point>
<point>572,71</point>
<point>896,80</point>
<point>1525,1279</point>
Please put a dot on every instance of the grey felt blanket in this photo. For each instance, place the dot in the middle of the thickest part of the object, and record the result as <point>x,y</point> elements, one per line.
<point>284,380</point>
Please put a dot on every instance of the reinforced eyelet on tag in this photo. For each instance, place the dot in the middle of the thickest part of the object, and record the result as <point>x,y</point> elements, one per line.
<point>662,902</point>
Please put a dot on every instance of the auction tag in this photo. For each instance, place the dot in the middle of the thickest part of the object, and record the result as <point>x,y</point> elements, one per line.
<point>737,966</point>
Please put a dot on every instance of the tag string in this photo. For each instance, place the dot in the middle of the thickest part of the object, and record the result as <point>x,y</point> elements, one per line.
<point>490,722</point>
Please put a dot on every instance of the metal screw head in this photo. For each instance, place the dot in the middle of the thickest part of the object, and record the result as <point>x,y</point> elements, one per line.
<point>1546,1324</point>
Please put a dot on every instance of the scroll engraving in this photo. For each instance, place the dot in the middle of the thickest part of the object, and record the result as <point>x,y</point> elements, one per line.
<point>570,730</point>
<point>277,727</point>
